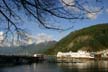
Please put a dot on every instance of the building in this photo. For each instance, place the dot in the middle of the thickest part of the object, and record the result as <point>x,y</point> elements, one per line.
<point>79,54</point>
<point>101,54</point>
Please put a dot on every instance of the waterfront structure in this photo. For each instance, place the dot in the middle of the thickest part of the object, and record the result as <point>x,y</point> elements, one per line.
<point>79,54</point>
<point>101,54</point>
<point>105,54</point>
<point>37,55</point>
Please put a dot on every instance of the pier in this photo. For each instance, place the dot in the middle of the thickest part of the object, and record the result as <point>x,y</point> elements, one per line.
<point>15,59</point>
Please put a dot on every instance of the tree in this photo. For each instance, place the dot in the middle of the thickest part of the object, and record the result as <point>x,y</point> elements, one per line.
<point>44,11</point>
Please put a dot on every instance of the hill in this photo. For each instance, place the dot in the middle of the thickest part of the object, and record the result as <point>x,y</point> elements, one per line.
<point>94,38</point>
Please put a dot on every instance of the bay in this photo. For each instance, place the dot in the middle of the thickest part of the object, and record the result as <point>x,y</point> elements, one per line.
<point>89,66</point>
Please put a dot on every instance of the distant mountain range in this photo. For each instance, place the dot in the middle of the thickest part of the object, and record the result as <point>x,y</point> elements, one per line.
<point>28,49</point>
<point>94,38</point>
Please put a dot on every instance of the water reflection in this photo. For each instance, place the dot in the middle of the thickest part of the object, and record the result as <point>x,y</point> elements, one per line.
<point>90,66</point>
<point>36,67</point>
<point>45,67</point>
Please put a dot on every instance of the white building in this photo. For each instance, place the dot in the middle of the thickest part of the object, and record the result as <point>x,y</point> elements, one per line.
<point>79,54</point>
<point>103,53</point>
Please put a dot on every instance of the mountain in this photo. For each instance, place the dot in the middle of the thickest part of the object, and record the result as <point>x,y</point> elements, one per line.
<point>93,38</point>
<point>28,49</point>
<point>38,48</point>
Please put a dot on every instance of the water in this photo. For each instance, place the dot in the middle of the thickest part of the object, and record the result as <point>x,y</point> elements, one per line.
<point>90,66</point>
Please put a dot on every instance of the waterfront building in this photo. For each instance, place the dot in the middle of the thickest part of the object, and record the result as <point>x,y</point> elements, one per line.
<point>102,54</point>
<point>79,54</point>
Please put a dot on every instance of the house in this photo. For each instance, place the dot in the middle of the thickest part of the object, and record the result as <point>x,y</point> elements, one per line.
<point>101,54</point>
<point>105,54</point>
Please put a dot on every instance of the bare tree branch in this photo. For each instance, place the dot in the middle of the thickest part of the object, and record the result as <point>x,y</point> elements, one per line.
<point>44,10</point>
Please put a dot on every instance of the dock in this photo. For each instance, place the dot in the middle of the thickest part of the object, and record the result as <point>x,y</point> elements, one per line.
<point>20,59</point>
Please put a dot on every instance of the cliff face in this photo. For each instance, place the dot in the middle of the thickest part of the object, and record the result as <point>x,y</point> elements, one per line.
<point>94,38</point>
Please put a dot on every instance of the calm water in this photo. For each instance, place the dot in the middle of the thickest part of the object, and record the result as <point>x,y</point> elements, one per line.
<point>91,66</point>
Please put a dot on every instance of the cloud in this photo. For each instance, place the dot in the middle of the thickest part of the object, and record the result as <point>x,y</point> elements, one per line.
<point>1,36</point>
<point>42,37</point>
<point>93,12</point>
<point>69,5</point>
<point>68,2</point>
<point>1,33</point>
<point>39,38</point>
<point>92,15</point>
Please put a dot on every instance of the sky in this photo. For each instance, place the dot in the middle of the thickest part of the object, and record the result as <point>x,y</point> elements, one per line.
<point>37,32</point>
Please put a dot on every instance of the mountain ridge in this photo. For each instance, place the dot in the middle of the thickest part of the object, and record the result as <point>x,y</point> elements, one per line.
<point>93,38</point>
